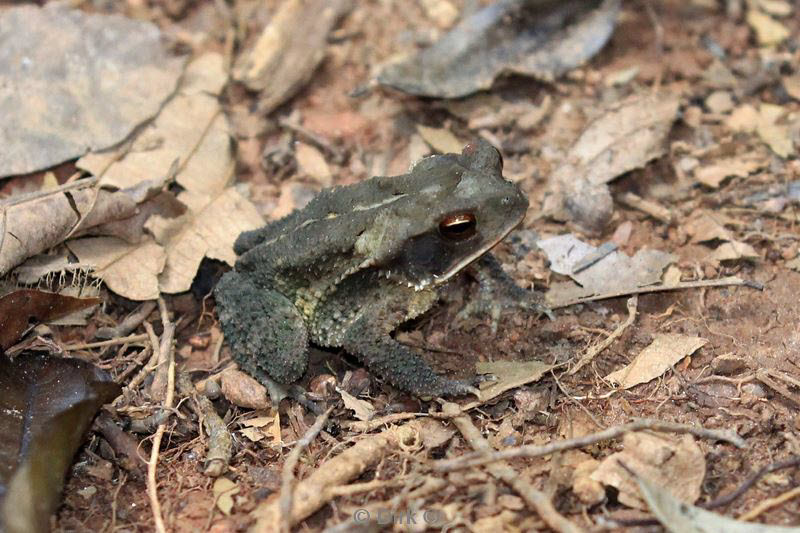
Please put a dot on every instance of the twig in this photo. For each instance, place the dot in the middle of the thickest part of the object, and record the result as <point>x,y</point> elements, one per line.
<point>530,451</point>
<point>287,479</point>
<point>128,324</point>
<point>744,487</point>
<point>375,423</point>
<point>138,361</point>
<point>220,441</point>
<point>164,346</point>
<point>722,282</point>
<point>768,504</point>
<point>765,376</point>
<point>158,386</point>
<point>312,493</point>
<point>536,499</point>
<point>655,210</point>
<point>130,339</point>
<point>124,445</point>
<point>633,303</point>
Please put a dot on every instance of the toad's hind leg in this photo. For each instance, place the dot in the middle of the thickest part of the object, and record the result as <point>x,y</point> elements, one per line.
<point>266,332</point>
<point>397,363</point>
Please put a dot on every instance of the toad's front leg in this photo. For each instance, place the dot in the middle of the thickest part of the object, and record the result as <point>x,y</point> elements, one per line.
<point>497,292</point>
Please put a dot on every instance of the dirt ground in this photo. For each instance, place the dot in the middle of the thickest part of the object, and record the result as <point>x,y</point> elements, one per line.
<point>672,45</point>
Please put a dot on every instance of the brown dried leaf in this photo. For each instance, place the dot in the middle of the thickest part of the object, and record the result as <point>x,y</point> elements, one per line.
<point>362,409</point>
<point>289,49</point>
<point>739,166</point>
<point>192,130</point>
<point>768,30</point>
<point>130,270</point>
<point>734,251</point>
<point>21,308</point>
<point>615,272</point>
<point>665,350</point>
<point>539,39</point>
<point>625,137</point>
<point>440,139</point>
<point>312,163</point>
<point>676,464</point>
<point>118,77</point>
<point>29,227</point>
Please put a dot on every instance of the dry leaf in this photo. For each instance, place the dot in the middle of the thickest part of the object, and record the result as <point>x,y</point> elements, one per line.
<point>744,118</point>
<point>792,86</point>
<point>733,251</point>
<point>768,30</point>
<point>615,272</point>
<point>509,375</point>
<point>665,350</point>
<point>777,137</point>
<point>30,227</point>
<point>440,139</point>
<point>719,102</point>
<point>442,12</point>
<point>778,8</point>
<point>224,490</point>
<point>362,409</point>
<point>289,49</point>
<point>253,434</point>
<point>23,308</point>
<point>117,76</point>
<point>623,138</point>
<point>539,39</point>
<point>705,227</point>
<point>712,175</point>
<point>676,464</point>
<point>191,130</point>
<point>128,269</point>
<point>312,163</point>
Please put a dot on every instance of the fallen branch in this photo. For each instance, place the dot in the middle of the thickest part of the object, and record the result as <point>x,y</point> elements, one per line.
<point>536,499</point>
<point>169,358</point>
<point>530,451</point>
<point>220,442</point>
<point>320,487</point>
<point>633,302</point>
<point>288,479</point>
<point>722,282</point>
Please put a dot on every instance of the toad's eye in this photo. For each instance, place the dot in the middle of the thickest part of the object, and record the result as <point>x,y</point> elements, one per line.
<point>458,227</point>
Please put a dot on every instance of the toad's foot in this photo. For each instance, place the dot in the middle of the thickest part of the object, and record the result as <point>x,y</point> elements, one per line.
<point>497,292</point>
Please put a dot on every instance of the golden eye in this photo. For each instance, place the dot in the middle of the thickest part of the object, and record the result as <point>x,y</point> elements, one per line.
<point>458,227</point>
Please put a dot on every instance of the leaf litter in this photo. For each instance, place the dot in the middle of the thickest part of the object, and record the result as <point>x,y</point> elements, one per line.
<point>683,129</point>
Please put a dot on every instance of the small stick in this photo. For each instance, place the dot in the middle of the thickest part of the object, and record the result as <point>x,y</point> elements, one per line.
<point>110,342</point>
<point>220,441</point>
<point>536,499</point>
<point>530,451</point>
<point>128,324</point>
<point>744,487</point>
<point>159,384</point>
<point>288,479</point>
<point>768,504</point>
<point>655,210</point>
<point>722,282</point>
<point>633,303</point>
<point>169,357</point>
